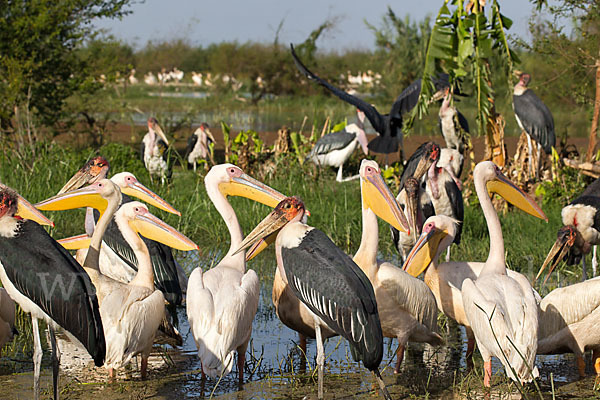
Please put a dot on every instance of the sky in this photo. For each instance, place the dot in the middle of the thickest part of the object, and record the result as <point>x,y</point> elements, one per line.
<point>203,22</point>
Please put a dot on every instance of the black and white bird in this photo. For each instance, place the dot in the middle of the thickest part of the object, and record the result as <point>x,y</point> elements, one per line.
<point>154,151</point>
<point>36,271</point>
<point>580,232</point>
<point>335,148</point>
<point>198,146</point>
<point>534,117</point>
<point>453,124</point>
<point>327,281</point>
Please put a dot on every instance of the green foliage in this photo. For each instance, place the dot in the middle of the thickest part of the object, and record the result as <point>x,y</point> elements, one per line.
<point>569,184</point>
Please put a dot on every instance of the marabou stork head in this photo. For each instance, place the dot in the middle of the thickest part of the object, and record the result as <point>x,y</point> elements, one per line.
<point>430,157</point>
<point>438,234</point>
<point>524,79</point>
<point>9,202</point>
<point>153,127</point>
<point>95,169</point>
<point>568,238</point>
<point>288,210</point>
<point>13,204</point>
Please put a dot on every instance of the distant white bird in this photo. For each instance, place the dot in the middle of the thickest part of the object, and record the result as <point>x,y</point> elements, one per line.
<point>154,151</point>
<point>150,79</point>
<point>198,147</point>
<point>197,78</point>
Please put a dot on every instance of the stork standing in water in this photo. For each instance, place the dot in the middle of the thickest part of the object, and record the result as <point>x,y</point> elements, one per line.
<point>131,312</point>
<point>534,117</point>
<point>580,232</point>
<point>335,148</point>
<point>198,147</point>
<point>446,280</point>
<point>154,151</point>
<point>327,281</point>
<point>222,302</point>
<point>32,267</point>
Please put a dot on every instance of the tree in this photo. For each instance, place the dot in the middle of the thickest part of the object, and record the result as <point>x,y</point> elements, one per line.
<point>39,65</point>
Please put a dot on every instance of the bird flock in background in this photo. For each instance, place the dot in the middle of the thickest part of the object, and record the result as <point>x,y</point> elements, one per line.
<point>125,272</point>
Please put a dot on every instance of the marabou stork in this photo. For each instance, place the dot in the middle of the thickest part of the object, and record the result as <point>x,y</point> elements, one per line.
<point>407,308</point>
<point>32,267</point>
<point>131,312</point>
<point>222,302</point>
<point>453,124</point>
<point>327,281</point>
<point>335,148</point>
<point>7,318</point>
<point>470,292</point>
<point>580,231</point>
<point>198,147</point>
<point>154,151</point>
<point>388,126</point>
<point>534,118</point>
<point>117,259</point>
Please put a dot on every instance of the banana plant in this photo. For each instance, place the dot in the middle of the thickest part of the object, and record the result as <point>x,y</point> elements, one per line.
<point>462,42</point>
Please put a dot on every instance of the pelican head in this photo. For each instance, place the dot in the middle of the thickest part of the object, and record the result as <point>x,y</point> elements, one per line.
<point>496,182</point>
<point>153,127</point>
<point>568,237</point>
<point>130,186</point>
<point>95,169</point>
<point>137,216</point>
<point>377,197</point>
<point>95,195</point>
<point>290,209</point>
<point>438,233</point>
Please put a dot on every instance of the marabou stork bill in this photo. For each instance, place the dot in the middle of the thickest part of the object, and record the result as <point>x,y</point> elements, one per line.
<point>534,117</point>
<point>222,302</point>
<point>198,146</point>
<point>117,258</point>
<point>470,292</point>
<point>407,308</point>
<point>327,281</point>
<point>335,148</point>
<point>33,269</point>
<point>580,232</point>
<point>154,151</point>
<point>131,312</point>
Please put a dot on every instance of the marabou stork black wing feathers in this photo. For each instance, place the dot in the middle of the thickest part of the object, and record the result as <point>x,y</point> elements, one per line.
<point>332,141</point>
<point>462,121</point>
<point>457,205</point>
<point>593,189</point>
<point>407,100</point>
<point>334,288</point>
<point>536,119</point>
<point>43,271</point>
<point>193,139</point>
<point>376,119</point>
<point>142,152</point>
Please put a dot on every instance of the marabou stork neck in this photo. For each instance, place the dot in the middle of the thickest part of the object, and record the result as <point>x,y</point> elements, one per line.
<point>198,147</point>
<point>131,312</point>
<point>406,306</point>
<point>327,281</point>
<point>580,232</point>
<point>534,117</point>
<point>222,302</point>
<point>154,151</point>
<point>453,124</point>
<point>335,148</point>
<point>32,267</point>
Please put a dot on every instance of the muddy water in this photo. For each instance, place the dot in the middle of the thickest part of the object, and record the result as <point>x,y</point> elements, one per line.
<point>274,366</point>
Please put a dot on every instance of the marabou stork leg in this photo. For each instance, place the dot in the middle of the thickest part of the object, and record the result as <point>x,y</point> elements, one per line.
<point>539,160</point>
<point>583,267</point>
<point>399,358</point>
<point>320,357</point>
<point>55,361</point>
<point>470,348</point>
<point>241,361</point>
<point>530,160</point>
<point>594,262</point>
<point>303,349</point>
<point>487,368</point>
<point>37,357</point>
<point>144,367</point>
<point>339,174</point>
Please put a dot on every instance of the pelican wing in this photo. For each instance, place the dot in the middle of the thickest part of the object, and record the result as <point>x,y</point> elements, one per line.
<point>43,271</point>
<point>410,294</point>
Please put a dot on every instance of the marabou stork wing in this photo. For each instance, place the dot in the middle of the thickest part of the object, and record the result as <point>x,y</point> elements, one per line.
<point>376,119</point>
<point>162,148</point>
<point>407,100</point>
<point>335,289</point>
<point>142,152</point>
<point>163,263</point>
<point>593,189</point>
<point>505,315</point>
<point>457,205</point>
<point>462,122</point>
<point>43,271</point>
<point>410,294</point>
<point>193,139</point>
<point>536,119</point>
<point>332,141</point>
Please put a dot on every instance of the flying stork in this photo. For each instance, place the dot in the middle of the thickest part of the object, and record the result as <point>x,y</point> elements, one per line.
<point>327,281</point>
<point>33,269</point>
<point>222,302</point>
<point>154,151</point>
<point>335,148</point>
<point>477,294</point>
<point>580,231</point>
<point>198,147</point>
<point>535,119</point>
